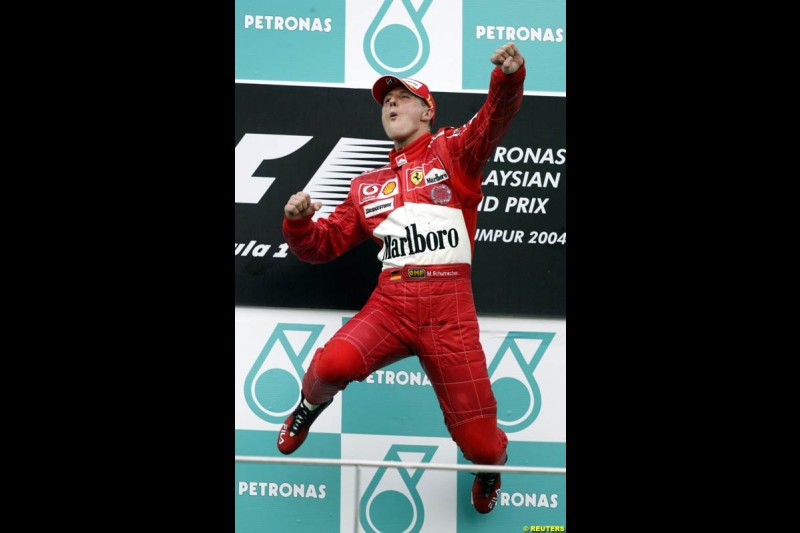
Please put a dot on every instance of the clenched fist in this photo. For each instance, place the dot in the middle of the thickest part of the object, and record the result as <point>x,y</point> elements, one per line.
<point>508,58</point>
<point>300,205</point>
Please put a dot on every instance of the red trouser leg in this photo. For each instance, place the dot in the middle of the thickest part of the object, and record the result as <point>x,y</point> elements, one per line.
<point>368,341</point>
<point>333,366</point>
<point>455,363</point>
<point>481,441</point>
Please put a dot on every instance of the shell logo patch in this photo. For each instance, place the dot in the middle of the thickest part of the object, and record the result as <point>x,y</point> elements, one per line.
<point>368,192</point>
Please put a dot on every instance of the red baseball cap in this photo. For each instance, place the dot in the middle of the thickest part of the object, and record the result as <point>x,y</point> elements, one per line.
<point>387,83</point>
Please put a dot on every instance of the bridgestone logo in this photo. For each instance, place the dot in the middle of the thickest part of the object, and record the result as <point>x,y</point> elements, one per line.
<point>373,209</point>
<point>415,243</point>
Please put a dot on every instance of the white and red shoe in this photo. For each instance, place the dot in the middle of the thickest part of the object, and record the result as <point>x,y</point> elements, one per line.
<point>485,490</point>
<point>295,428</point>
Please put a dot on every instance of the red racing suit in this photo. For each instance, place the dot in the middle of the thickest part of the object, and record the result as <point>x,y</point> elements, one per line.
<point>421,208</point>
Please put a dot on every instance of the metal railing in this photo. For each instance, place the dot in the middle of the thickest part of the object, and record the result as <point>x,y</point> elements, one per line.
<point>358,464</point>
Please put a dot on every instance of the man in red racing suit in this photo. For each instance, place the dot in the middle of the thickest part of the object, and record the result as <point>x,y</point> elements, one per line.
<point>421,208</point>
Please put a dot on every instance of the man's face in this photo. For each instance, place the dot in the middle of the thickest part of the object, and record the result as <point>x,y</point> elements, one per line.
<point>404,115</point>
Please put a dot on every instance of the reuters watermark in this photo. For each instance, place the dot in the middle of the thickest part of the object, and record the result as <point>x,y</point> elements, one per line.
<point>543,528</point>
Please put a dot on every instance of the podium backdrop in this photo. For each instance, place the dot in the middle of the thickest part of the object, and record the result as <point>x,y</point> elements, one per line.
<point>304,119</point>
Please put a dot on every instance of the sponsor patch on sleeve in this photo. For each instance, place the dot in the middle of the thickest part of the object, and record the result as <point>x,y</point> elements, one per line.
<point>376,208</point>
<point>376,191</point>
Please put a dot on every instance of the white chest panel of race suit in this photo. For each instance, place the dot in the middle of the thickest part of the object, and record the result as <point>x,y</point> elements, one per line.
<point>423,234</point>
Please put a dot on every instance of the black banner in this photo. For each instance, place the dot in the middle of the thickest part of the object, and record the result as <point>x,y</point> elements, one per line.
<point>288,137</point>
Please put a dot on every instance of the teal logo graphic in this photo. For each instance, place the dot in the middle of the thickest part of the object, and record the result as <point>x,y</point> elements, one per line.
<point>289,40</point>
<point>519,399</point>
<point>538,28</point>
<point>391,502</point>
<point>396,42</point>
<point>272,386</point>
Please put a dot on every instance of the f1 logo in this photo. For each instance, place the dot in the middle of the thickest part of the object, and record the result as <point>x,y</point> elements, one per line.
<point>251,151</point>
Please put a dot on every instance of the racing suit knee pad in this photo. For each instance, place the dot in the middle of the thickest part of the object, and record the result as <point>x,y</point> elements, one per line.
<point>339,362</point>
<point>481,441</point>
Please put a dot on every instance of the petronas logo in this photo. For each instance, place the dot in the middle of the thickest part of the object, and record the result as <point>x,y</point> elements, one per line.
<point>396,42</point>
<point>392,502</point>
<point>519,399</point>
<point>272,386</point>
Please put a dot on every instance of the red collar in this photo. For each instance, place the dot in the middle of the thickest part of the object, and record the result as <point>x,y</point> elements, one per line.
<point>401,156</point>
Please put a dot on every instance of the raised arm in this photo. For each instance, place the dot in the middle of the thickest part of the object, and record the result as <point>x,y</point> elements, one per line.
<point>473,143</point>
